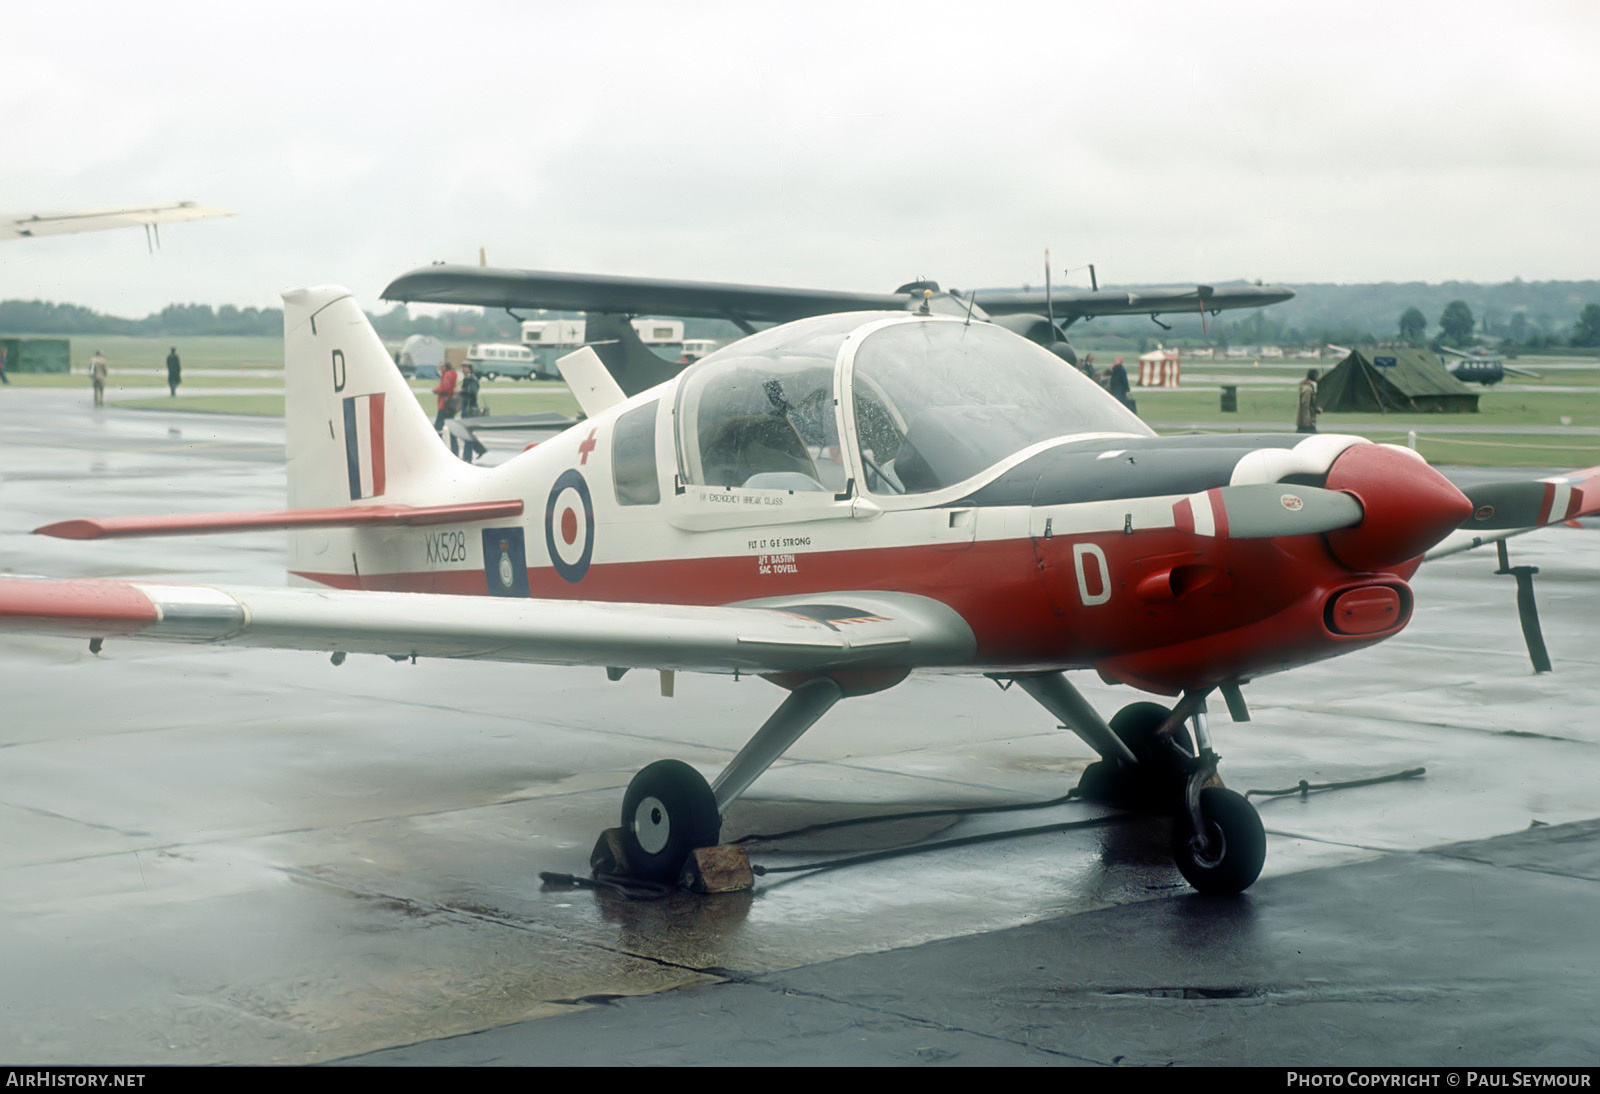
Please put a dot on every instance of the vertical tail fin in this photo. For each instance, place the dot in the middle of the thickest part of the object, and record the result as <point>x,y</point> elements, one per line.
<point>354,429</point>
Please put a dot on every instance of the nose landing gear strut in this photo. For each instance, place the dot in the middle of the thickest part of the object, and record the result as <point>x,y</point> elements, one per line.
<point>1150,762</point>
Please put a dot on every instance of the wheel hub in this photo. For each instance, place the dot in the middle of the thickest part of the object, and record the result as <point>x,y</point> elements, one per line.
<point>1209,847</point>
<point>652,827</point>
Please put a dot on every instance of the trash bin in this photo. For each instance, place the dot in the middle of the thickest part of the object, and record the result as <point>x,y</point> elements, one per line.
<point>1230,398</point>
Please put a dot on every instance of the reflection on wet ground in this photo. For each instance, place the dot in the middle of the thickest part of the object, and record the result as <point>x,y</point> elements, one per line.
<point>238,856</point>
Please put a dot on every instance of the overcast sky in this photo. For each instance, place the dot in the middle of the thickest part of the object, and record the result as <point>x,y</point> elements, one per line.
<point>851,145</point>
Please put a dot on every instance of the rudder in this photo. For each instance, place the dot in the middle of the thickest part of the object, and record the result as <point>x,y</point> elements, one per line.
<point>354,430</point>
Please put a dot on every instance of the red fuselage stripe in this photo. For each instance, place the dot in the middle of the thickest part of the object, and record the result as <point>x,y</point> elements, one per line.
<point>1030,608</point>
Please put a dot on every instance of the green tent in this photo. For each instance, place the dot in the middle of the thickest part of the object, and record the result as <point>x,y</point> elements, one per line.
<point>37,354</point>
<point>1415,381</point>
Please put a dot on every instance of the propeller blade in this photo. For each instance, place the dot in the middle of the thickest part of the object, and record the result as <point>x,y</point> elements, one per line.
<point>1500,505</point>
<point>1267,509</point>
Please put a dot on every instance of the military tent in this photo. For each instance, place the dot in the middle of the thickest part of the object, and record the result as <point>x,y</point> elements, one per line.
<point>1415,381</point>
<point>37,354</point>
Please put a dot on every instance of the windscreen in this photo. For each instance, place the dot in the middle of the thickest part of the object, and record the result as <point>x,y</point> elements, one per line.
<point>937,402</point>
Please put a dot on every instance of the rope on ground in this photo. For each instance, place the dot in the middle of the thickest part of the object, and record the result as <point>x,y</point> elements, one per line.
<point>942,845</point>
<point>1304,788</point>
<point>638,889</point>
<point>630,887</point>
<point>848,822</point>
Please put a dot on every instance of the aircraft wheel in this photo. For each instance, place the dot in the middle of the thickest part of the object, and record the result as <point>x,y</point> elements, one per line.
<point>1136,724</point>
<point>668,811</point>
<point>1237,844</point>
<point>1149,784</point>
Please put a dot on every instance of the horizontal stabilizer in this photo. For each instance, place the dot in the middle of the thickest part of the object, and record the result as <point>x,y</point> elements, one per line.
<point>589,382</point>
<point>261,520</point>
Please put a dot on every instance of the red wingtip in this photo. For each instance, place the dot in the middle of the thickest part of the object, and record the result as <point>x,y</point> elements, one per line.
<point>72,529</point>
<point>84,606</point>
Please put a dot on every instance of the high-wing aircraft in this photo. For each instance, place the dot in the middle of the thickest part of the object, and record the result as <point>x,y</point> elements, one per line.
<point>1477,368</point>
<point>610,301</point>
<point>150,217</point>
<point>831,504</point>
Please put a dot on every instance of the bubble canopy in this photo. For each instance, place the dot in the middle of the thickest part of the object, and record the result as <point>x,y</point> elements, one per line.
<point>932,402</point>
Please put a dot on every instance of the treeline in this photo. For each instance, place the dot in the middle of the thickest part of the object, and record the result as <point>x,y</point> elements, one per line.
<point>1531,315</point>
<point>42,317</point>
<point>1515,315</point>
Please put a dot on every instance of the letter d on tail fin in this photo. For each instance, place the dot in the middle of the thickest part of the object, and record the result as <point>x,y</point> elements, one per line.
<point>354,429</point>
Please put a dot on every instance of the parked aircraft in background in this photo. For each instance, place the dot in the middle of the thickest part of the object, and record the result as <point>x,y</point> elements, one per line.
<point>831,504</point>
<point>30,225</point>
<point>611,302</point>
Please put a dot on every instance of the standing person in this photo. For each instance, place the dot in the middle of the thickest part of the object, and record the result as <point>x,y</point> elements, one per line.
<point>4,379</point>
<point>469,391</point>
<point>1305,418</point>
<point>470,409</point>
<point>449,402</point>
<point>174,371</point>
<point>97,375</point>
<point>1118,384</point>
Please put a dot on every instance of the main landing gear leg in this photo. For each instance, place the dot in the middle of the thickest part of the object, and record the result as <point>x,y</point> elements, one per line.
<point>670,810</point>
<point>1149,762</point>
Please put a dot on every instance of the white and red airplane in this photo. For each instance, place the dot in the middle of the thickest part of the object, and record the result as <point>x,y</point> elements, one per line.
<point>831,504</point>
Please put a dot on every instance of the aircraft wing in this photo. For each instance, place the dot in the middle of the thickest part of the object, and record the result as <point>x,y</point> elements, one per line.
<point>1505,508</point>
<point>1084,304</point>
<point>28,225</point>
<point>501,288</point>
<point>848,630</point>
<point>474,285</point>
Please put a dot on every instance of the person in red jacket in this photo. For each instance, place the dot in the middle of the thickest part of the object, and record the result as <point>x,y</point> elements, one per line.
<point>448,403</point>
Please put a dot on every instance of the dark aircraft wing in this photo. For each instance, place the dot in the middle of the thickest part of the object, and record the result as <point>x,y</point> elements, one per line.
<point>1084,304</point>
<point>744,304</point>
<point>498,288</point>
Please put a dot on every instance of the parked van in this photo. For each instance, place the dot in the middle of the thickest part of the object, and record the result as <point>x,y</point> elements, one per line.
<point>492,360</point>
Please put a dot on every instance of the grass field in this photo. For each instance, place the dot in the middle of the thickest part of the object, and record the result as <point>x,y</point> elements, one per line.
<point>252,362</point>
<point>1277,404</point>
<point>212,352</point>
<point>143,379</point>
<point>1200,410</point>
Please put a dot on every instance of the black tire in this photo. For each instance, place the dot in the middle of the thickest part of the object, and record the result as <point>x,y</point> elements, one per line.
<point>1240,844</point>
<point>1149,784</point>
<point>668,811</point>
<point>1135,726</point>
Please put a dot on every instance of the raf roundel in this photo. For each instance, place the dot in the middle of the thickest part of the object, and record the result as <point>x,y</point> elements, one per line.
<point>569,526</point>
